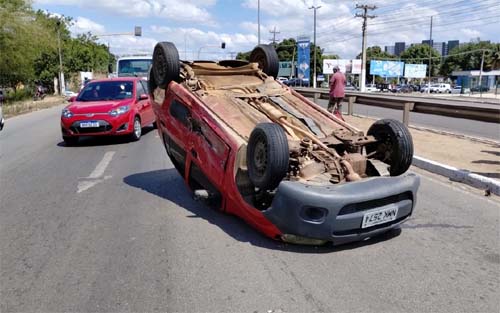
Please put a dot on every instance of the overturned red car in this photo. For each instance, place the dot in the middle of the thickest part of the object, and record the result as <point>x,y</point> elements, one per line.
<point>255,148</point>
<point>113,106</point>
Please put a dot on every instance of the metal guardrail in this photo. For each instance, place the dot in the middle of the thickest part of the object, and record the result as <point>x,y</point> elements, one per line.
<point>490,114</point>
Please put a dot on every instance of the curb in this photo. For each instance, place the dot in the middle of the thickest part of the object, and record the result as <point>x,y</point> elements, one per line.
<point>454,174</point>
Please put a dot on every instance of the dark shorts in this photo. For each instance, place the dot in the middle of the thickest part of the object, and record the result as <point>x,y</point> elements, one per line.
<point>334,103</point>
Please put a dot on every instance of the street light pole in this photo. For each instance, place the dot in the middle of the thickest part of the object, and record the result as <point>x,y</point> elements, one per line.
<point>258,20</point>
<point>314,52</point>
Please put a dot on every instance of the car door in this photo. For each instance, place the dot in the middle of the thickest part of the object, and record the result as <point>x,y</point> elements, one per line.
<point>143,105</point>
<point>149,112</point>
<point>208,153</point>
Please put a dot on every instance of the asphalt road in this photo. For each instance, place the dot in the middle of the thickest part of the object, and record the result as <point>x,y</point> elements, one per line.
<point>109,226</point>
<point>438,122</point>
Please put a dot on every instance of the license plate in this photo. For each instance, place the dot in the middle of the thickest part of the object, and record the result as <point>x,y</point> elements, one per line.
<point>89,124</point>
<point>381,216</point>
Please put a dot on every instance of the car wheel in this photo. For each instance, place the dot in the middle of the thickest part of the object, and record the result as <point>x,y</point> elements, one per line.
<point>137,131</point>
<point>151,83</point>
<point>394,145</point>
<point>166,65</point>
<point>267,58</point>
<point>267,155</point>
<point>70,141</point>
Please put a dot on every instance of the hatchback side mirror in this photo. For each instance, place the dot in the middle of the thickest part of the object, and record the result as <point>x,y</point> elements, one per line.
<point>72,99</point>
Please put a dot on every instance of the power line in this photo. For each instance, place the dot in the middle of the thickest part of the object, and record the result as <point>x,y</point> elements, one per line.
<point>274,32</point>
<point>365,16</point>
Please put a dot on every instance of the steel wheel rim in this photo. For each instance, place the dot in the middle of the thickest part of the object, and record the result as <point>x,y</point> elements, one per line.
<point>137,128</point>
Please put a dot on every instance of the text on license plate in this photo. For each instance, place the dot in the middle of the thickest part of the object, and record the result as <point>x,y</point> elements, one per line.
<point>89,124</point>
<point>380,216</point>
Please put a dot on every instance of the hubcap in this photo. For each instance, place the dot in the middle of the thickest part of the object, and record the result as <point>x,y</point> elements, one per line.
<point>137,128</point>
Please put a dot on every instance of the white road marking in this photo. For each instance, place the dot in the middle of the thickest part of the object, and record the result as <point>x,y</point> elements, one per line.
<point>101,167</point>
<point>96,176</point>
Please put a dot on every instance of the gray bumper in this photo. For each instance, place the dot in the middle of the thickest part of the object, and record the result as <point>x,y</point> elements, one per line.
<point>335,212</point>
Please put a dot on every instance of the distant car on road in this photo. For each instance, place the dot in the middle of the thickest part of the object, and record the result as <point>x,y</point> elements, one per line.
<point>113,106</point>
<point>456,89</point>
<point>371,87</point>
<point>441,88</point>
<point>480,89</point>
<point>296,82</point>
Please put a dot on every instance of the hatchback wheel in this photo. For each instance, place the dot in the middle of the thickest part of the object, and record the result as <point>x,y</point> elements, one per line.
<point>136,133</point>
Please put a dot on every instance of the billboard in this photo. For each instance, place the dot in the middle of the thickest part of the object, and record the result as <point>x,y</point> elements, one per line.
<point>345,66</point>
<point>386,68</point>
<point>285,69</point>
<point>415,70</point>
<point>303,58</point>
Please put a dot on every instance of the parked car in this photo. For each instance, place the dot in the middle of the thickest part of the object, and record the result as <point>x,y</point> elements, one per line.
<point>371,87</point>
<point>441,88</point>
<point>401,89</point>
<point>297,82</point>
<point>112,106</point>
<point>281,79</point>
<point>253,148</point>
<point>456,89</point>
<point>480,89</point>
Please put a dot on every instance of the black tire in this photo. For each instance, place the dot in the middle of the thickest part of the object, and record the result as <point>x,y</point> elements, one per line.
<point>267,58</point>
<point>136,133</point>
<point>395,138</point>
<point>151,83</point>
<point>267,155</point>
<point>70,141</point>
<point>166,64</point>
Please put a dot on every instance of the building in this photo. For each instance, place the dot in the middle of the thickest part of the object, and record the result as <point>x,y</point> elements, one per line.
<point>452,44</point>
<point>399,47</point>
<point>389,49</point>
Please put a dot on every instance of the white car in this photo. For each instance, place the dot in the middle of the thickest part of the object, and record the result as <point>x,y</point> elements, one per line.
<point>371,87</point>
<point>441,88</point>
<point>281,79</point>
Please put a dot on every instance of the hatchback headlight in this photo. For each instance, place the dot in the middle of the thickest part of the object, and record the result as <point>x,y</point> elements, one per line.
<point>119,111</point>
<point>66,113</point>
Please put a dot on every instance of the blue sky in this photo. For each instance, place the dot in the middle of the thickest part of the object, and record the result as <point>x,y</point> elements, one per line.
<point>199,26</point>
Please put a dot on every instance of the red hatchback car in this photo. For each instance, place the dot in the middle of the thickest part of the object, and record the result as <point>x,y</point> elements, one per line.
<point>116,106</point>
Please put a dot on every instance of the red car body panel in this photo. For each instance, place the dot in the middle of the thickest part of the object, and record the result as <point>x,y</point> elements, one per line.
<point>217,161</point>
<point>99,110</point>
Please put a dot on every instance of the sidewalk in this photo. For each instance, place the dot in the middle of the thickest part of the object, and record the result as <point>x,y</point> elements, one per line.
<point>465,154</point>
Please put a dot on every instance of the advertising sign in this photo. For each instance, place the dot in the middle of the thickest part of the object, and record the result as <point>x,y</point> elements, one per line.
<point>345,66</point>
<point>386,68</point>
<point>415,70</point>
<point>285,69</point>
<point>303,58</point>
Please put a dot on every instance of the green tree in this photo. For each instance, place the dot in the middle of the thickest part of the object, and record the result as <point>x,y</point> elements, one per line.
<point>419,54</point>
<point>468,57</point>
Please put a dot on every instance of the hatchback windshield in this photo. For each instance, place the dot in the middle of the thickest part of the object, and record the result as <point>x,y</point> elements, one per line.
<point>106,90</point>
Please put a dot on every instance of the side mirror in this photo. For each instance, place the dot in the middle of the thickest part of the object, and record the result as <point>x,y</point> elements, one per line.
<point>143,97</point>
<point>72,99</point>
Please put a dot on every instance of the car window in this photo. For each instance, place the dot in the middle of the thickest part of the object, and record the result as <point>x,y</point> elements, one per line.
<point>106,90</point>
<point>140,90</point>
<point>180,112</point>
<point>145,86</point>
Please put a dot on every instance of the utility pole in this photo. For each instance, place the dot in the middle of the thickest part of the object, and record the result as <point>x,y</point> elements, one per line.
<point>274,32</point>
<point>314,52</point>
<point>481,76</point>
<point>258,21</point>
<point>430,59</point>
<point>365,16</point>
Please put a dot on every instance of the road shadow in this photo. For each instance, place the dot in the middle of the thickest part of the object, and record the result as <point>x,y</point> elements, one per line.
<point>496,153</point>
<point>169,185</point>
<point>91,141</point>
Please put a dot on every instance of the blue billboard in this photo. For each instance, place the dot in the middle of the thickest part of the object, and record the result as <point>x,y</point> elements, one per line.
<point>303,58</point>
<point>386,68</point>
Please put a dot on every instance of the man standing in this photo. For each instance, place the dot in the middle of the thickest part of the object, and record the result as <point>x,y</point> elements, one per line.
<point>337,92</point>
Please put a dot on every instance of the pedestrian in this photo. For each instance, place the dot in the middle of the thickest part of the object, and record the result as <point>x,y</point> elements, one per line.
<point>337,92</point>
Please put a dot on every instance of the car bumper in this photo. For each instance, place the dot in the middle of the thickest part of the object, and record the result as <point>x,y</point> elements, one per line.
<point>335,213</point>
<point>108,125</point>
